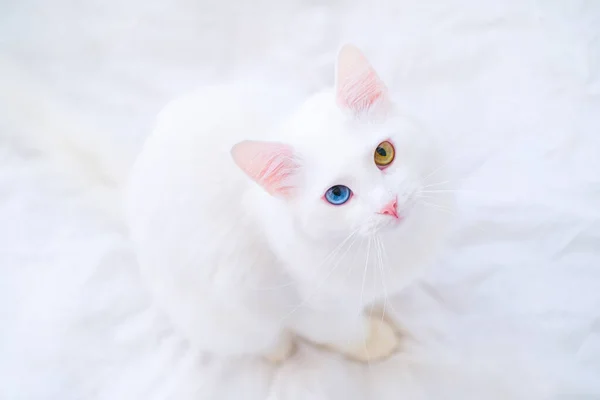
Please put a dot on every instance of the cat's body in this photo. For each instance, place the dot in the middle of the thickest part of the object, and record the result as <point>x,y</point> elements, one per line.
<point>238,242</point>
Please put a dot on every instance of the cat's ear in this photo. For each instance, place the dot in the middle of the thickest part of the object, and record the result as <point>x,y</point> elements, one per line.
<point>358,87</point>
<point>271,165</point>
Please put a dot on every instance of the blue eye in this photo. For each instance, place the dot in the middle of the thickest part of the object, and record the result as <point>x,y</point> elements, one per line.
<point>338,195</point>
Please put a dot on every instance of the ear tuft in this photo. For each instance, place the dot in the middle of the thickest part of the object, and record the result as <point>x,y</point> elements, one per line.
<point>358,87</point>
<point>271,165</point>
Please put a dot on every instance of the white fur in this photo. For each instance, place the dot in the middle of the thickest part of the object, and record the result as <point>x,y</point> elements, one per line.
<point>235,266</point>
<point>510,89</point>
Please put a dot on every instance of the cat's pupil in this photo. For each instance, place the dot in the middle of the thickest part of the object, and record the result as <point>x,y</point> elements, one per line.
<point>381,151</point>
<point>337,191</point>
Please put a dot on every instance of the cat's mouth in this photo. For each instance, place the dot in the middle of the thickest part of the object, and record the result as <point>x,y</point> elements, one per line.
<point>388,222</point>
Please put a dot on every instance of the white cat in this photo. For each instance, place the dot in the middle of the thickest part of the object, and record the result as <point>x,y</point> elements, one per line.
<point>250,232</point>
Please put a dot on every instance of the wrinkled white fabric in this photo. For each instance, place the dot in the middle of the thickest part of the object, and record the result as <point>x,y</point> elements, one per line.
<point>511,86</point>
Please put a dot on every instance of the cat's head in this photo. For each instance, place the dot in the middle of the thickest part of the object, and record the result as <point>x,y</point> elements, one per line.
<point>350,162</point>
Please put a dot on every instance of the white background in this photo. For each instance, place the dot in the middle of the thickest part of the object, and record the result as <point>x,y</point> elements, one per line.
<point>512,88</point>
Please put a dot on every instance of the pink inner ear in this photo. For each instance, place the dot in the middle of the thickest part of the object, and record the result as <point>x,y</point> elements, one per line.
<point>358,87</point>
<point>269,164</point>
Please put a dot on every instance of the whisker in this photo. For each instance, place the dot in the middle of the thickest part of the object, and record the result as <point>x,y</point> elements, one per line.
<point>425,197</point>
<point>439,207</point>
<point>320,285</point>
<point>349,271</point>
<point>374,270</point>
<point>451,191</point>
<point>348,249</point>
<point>453,213</point>
<point>362,290</point>
<point>385,266</point>
<point>380,264</point>
<point>436,170</point>
<point>329,256</point>
<point>447,162</point>
<point>436,184</point>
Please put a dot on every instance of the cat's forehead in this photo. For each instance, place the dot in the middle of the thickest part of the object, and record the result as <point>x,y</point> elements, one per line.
<point>334,143</point>
<point>320,122</point>
<point>339,158</point>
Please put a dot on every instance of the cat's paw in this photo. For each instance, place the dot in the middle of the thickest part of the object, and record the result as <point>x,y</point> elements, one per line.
<point>284,349</point>
<point>380,343</point>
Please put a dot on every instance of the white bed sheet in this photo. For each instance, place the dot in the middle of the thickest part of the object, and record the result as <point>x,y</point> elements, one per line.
<point>512,88</point>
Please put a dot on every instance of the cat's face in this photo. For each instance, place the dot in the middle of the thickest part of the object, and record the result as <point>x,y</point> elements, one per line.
<point>357,176</point>
<point>351,163</point>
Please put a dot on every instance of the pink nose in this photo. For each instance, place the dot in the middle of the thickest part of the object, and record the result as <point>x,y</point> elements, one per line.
<point>390,208</point>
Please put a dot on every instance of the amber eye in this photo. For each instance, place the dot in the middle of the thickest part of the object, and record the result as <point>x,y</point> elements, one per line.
<point>384,154</point>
